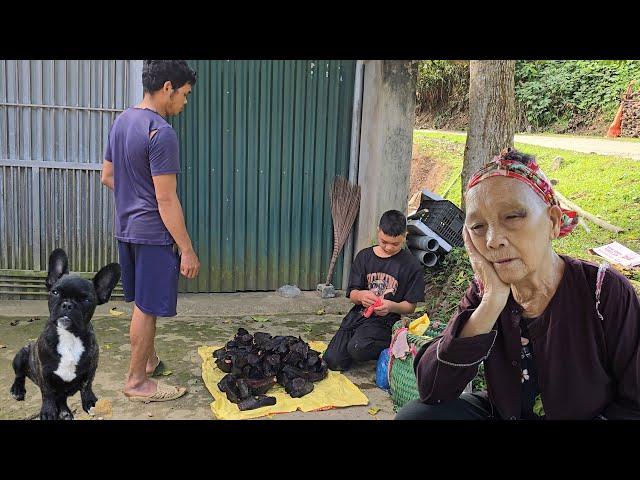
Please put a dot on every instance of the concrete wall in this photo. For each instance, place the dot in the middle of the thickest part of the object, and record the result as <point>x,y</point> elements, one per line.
<point>388,114</point>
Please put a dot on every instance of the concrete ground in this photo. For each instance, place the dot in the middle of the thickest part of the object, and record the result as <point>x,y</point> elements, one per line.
<point>203,319</point>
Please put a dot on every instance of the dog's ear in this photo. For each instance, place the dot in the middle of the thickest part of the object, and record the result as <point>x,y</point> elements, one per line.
<point>105,281</point>
<point>58,266</point>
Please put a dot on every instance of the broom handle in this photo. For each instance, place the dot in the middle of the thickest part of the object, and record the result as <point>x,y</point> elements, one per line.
<point>332,263</point>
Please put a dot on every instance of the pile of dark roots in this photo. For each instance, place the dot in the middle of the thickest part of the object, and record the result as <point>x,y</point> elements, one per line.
<point>255,363</point>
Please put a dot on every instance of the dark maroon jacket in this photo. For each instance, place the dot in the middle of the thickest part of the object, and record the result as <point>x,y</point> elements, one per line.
<point>586,366</point>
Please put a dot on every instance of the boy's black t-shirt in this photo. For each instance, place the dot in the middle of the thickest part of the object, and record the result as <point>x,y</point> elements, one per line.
<point>400,277</point>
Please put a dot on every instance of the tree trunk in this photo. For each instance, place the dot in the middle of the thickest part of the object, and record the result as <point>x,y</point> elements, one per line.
<point>491,114</point>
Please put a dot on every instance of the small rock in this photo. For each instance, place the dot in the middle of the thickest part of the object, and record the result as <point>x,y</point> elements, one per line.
<point>326,290</point>
<point>100,418</point>
<point>3,346</point>
<point>149,414</point>
<point>554,181</point>
<point>289,291</point>
<point>557,163</point>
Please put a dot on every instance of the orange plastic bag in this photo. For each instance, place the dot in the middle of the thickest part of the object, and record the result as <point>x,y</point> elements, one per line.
<point>614,129</point>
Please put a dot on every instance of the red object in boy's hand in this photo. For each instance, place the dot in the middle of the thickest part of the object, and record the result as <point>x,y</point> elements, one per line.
<point>369,311</point>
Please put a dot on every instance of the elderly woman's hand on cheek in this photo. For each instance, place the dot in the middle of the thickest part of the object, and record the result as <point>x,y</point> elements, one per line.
<point>494,289</point>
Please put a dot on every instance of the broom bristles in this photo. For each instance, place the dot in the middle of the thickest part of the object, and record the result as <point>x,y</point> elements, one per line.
<point>345,203</point>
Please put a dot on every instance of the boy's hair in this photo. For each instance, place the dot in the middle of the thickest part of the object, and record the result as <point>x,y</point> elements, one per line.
<point>393,223</point>
<point>156,72</point>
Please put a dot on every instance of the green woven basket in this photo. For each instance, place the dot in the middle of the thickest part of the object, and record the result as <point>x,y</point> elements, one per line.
<point>402,379</point>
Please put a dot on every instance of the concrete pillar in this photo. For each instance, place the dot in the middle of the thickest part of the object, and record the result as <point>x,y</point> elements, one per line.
<point>386,138</point>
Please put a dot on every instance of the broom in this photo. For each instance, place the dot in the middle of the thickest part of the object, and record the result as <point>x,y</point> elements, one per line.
<point>345,203</point>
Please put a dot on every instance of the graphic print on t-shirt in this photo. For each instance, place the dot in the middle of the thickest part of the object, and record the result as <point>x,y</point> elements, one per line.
<point>382,283</point>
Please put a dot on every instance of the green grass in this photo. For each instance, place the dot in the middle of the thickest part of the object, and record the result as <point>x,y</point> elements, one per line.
<point>444,148</point>
<point>605,186</point>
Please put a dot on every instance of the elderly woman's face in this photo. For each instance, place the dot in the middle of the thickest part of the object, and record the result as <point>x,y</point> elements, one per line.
<point>510,226</point>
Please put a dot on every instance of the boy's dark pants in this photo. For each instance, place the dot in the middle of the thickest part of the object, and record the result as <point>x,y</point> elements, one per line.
<point>358,339</point>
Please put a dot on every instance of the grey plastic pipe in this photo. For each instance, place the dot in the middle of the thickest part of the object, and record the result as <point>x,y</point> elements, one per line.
<point>428,259</point>
<point>423,242</point>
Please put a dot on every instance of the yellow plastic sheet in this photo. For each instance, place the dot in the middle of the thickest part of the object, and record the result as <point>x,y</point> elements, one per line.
<point>419,325</point>
<point>334,391</point>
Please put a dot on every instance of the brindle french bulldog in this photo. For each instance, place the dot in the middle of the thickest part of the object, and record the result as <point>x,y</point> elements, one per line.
<point>64,359</point>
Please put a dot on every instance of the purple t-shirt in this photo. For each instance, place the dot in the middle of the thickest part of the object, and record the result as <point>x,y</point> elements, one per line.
<point>136,159</point>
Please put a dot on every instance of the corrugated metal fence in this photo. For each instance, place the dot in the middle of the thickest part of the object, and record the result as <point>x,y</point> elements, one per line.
<point>55,116</point>
<point>261,142</point>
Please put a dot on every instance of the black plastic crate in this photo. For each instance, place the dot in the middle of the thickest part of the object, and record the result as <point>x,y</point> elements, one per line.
<point>444,218</point>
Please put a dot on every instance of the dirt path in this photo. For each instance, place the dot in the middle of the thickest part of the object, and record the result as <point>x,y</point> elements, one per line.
<point>600,146</point>
<point>178,340</point>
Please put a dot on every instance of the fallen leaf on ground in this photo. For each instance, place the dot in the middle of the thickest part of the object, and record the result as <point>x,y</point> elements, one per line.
<point>226,321</point>
<point>107,346</point>
<point>260,319</point>
<point>420,309</point>
<point>166,373</point>
<point>374,410</point>
<point>320,312</point>
<point>115,313</point>
<point>103,408</point>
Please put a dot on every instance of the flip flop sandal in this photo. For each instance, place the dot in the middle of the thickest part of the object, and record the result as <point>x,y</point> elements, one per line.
<point>160,368</point>
<point>164,393</point>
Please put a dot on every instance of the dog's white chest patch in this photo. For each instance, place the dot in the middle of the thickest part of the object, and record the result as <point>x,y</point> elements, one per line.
<point>70,349</point>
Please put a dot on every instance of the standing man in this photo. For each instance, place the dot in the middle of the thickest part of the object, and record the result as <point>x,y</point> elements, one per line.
<point>140,165</point>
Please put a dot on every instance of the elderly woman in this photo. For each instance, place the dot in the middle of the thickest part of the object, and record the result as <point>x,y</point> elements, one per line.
<point>559,336</point>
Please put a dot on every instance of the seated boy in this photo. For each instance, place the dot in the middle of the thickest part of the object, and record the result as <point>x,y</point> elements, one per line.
<point>387,271</point>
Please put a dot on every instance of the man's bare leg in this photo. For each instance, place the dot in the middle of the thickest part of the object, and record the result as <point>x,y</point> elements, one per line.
<point>141,336</point>
<point>152,358</point>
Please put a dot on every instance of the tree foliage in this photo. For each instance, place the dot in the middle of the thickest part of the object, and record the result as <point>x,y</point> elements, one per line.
<point>547,91</point>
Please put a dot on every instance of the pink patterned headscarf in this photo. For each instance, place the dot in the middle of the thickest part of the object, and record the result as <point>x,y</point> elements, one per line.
<point>531,175</point>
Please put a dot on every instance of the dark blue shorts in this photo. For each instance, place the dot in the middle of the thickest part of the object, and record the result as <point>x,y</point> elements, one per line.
<point>150,276</point>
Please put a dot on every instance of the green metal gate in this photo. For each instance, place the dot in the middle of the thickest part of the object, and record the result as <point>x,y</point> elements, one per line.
<point>260,144</point>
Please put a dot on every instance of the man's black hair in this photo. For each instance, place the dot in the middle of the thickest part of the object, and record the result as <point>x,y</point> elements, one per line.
<point>393,223</point>
<point>156,72</point>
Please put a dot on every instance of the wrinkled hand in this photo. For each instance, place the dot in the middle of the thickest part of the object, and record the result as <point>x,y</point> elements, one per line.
<point>367,298</point>
<point>189,264</point>
<point>384,309</point>
<point>494,288</point>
